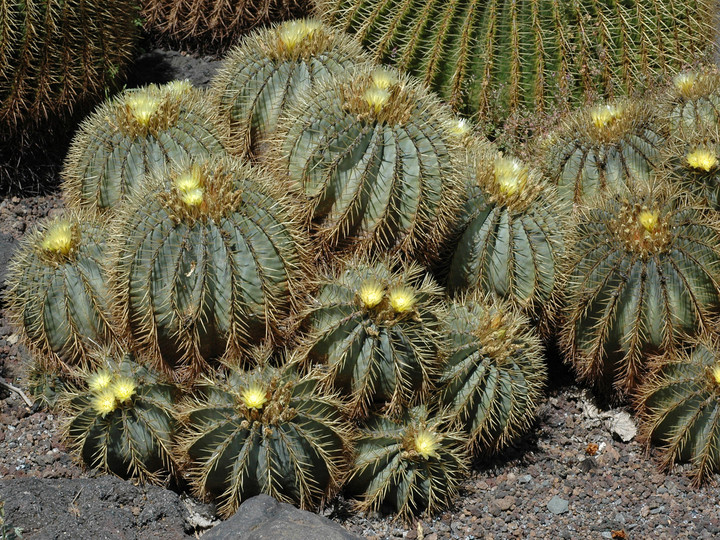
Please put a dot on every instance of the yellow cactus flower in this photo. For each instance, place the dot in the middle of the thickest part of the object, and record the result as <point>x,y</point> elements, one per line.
<point>143,107</point>
<point>716,374</point>
<point>193,197</point>
<point>402,299</point>
<point>605,115</point>
<point>702,158</point>
<point>511,175</point>
<point>189,180</point>
<point>460,127</point>
<point>58,238</point>
<point>123,389</point>
<point>178,88</point>
<point>105,402</point>
<point>426,444</point>
<point>383,78</point>
<point>685,82</point>
<point>371,293</point>
<point>649,220</point>
<point>376,98</point>
<point>293,33</point>
<point>254,397</point>
<point>100,380</point>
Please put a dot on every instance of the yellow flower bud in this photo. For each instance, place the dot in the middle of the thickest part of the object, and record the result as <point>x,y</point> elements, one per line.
<point>99,380</point>
<point>703,159</point>
<point>649,220</point>
<point>59,238</point>
<point>402,299</point>
<point>376,98</point>
<point>685,82</point>
<point>105,402</point>
<point>371,293</point>
<point>193,197</point>
<point>511,175</point>
<point>189,180</point>
<point>254,397</point>
<point>293,33</point>
<point>426,444</point>
<point>605,115</point>
<point>383,78</point>
<point>143,107</point>
<point>123,389</point>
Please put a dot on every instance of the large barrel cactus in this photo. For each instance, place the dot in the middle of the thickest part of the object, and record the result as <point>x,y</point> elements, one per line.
<point>500,57</point>
<point>376,329</point>
<point>603,149</point>
<point>56,57</point>
<point>376,157</point>
<point>509,233</point>
<point>121,418</point>
<point>58,294</point>
<point>269,69</point>
<point>494,375</point>
<point>413,464</point>
<point>264,431</point>
<point>125,138</point>
<point>680,408</point>
<point>642,273</point>
<point>208,260</point>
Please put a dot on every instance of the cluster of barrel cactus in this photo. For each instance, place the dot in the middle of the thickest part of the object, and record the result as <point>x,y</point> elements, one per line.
<point>315,277</point>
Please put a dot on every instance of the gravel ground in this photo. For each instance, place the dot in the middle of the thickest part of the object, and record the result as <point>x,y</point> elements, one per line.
<point>570,478</point>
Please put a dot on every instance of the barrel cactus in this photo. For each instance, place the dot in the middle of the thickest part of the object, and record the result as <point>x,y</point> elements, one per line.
<point>120,418</point>
<point>56,57</point>
<point>680,408</point>
<point>269,69</point>
<point>694,166</point>
<point>376,329</point>
<point>376,156</point>
<point>263,431</point>
<point>692,102</point>
<point>642,273</point>
<point>58,294</point>
<point>413,464</point>
<point>602,149</point>
<point>502,57</point>
<point>209,259</point>
<point>509,233</point>
<point>495,373</point>
<point>126,137</point>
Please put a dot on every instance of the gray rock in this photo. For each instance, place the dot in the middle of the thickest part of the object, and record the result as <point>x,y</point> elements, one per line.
<point>557,505</point>
<point>264,518</point>
<point>7,247</point>
<point>101,508</point>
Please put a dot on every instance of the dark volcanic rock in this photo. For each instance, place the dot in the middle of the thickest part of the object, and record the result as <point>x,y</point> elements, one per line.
<point>97,509</point>
<point>264,518</point>
<point>7,247</point>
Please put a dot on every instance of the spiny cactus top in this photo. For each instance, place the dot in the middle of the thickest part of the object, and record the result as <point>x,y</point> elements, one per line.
<point>680,407</point>
<point>59,56</point>
<point>376,157</point>
<point>500,57</point>
<point>264,431</point>
<point>414,464</point>
<point>376,329</point>
<point>693,164</point>
<point>601,150</point>
<point>494,376</point>
<point>509,232</point>
<point>128,136</point>
<point>208,260</point>
<point>264,75</point>
<point>58,293</point>
<point>642,272</point>
<point>692,102</point>
<point>120,419</point>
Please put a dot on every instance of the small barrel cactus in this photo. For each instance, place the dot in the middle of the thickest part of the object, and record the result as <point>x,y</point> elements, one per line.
<point>126,137</point>
<point>266,73</point>
<point>694,166</point>
<point>692,103</point>
<point>264,431</point>
<point>680,408</point>
<point>494,376</point>
<point>413,464</point>
<point>377,331</point>
<point>376,157</point>
<point>120,420</point>
<point>602,149</point>
<point>642,272</point>
<point>209,260</point>
<point>58,294</point>
<point>509,233</point>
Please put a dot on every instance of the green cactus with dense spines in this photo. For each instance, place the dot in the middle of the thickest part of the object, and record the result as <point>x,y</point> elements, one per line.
<point>376,156</point>
<point>56,57</point>
<point>680,407</point>
<point>413,464</point>
<point>692,164</point>
<point>125,138</point>
<point>209,259</point>
<point>269,69</point>
<point>508,234</point>
<point>58,294</point>
<point>603,149</point>
<point>642,272</point>
<point>376,329</point>
<point>121,418</point>
<point>494,375</point>
<point>264,431</point>
<point>502,57</point>
<point>691,104</point>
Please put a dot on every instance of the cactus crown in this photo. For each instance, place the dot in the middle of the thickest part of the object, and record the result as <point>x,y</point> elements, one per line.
<point>264,396</point>
<point>608,122</point>
<point>642,227</point>
<point>380,95</point>
<point>508,181</point>
<point>59,240</point>
<point>297,39</point>
<point>387,304</point>
<point>148,110</point>
<point>422,442</point>
<point>715,376</point>
<point>691,85</point>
